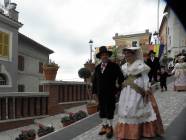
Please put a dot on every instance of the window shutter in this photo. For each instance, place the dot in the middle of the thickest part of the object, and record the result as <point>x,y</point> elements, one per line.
<point>1,43</point>
<point>6,44</point>
<point>40,88</point>
<point>21,88</point>
<point>40,67</point>
<point>20,63</point>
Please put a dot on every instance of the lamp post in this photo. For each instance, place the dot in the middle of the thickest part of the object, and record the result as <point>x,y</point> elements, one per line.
<point>90,43</point>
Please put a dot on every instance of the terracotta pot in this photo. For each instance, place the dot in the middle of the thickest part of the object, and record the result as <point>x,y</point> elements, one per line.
<point>90,66</point>
<point>91,108</point>
<point>50,73</point>
<point>68,123</point>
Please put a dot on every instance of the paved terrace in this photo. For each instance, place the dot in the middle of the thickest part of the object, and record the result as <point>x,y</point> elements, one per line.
<point>172,106</point>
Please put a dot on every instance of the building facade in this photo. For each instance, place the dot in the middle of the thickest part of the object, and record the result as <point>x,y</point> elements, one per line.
<point>21,58</point>
<point>31,57</point>
<point>138,39</point>
<point>9,26</point>
<point>172,33</point>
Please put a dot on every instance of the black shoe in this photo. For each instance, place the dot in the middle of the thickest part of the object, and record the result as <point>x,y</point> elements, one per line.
<point>109,132</point>
<point>103,130</point>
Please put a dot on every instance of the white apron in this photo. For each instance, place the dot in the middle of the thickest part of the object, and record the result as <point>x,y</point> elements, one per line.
<point>132,109</point>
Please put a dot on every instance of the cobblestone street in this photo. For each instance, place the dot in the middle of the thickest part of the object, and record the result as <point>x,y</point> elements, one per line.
<point>170,104</point>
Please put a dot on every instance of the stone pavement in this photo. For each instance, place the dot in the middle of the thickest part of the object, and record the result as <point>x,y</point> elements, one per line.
<point>170,104</point>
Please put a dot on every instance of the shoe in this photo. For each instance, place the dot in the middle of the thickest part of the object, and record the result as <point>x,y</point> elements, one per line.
<point>103,130</point>
<point>109,132</point>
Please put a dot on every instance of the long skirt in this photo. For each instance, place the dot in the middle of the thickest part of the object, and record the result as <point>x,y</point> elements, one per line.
<point>136,131</point>
<point>180,83</point>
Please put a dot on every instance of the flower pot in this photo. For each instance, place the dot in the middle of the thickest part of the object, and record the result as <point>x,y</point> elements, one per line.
<point>67,123</point>
<point>90,66</point>
<point>91,108</point>
<point>50,73</point>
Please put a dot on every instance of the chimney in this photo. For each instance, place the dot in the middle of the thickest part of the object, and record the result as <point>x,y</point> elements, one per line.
<point>116,34</point>
<point>13,14</point>
<point>147,31</point>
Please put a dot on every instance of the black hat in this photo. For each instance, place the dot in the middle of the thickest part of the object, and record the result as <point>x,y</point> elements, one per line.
<point>103,49</point>
<point>152,52</point>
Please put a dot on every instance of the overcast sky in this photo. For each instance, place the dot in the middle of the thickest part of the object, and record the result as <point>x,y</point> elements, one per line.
<point>66,26</point>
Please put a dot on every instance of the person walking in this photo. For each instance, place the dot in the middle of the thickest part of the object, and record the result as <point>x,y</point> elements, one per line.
<point>138,114</point>
<point>179,72</point>
<point>163,74</point>
<point>154,64</point>
<point>107,74</point>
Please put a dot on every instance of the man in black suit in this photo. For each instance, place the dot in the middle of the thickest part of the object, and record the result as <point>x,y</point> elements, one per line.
<point>106,75</point>
<point>154,64</point>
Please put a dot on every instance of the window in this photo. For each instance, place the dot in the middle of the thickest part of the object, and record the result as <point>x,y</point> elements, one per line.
<point>4,44</point>
<point>21,88</point>
<point>40,67</point>
<point>2,79</point>
<point>40,88</point>
<point>20,63</point>
<point>134,43</point>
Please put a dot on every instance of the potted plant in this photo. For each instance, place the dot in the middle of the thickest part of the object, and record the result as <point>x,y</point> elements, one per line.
<point>43,130</point>
<point>67,120</point>
<point>89,65</point>
<point>27,135</point>
<point>91,104</point>
<point>50,70</point>
<point>92,107</point>
<point>79,115</point>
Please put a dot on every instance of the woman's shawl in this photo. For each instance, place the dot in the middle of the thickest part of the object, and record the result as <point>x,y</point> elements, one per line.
<point>137,67</point>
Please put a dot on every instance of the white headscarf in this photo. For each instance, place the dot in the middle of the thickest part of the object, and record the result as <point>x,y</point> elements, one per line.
<point>138,52</point>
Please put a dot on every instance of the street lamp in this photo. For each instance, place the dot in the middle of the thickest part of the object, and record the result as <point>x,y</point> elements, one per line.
<point>90,43</point>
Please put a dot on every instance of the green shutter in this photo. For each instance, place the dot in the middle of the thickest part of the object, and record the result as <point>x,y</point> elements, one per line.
<point>1,43</point>
<point>6,44</point>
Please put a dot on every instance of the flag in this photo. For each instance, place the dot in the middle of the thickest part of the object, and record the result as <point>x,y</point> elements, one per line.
<point>161,49</point>
<point>156,49</point>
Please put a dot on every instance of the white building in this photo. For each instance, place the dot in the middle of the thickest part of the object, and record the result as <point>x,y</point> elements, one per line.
<point>21,58</point>
<point>172,33</point>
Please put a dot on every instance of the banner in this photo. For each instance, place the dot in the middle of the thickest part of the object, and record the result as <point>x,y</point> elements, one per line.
<point>156,50</point>
<point>161,49</point>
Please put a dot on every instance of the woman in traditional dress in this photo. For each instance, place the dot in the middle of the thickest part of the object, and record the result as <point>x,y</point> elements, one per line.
<point>138,114</point>
<point>180,73</point>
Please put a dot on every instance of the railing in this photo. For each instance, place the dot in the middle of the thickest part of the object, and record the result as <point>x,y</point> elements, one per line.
<point>15,105</point>
<point>63,94</point>
<point>2,82</point>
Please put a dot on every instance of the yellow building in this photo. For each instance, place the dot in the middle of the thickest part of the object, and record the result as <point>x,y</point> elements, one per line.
<point>139,39</point>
